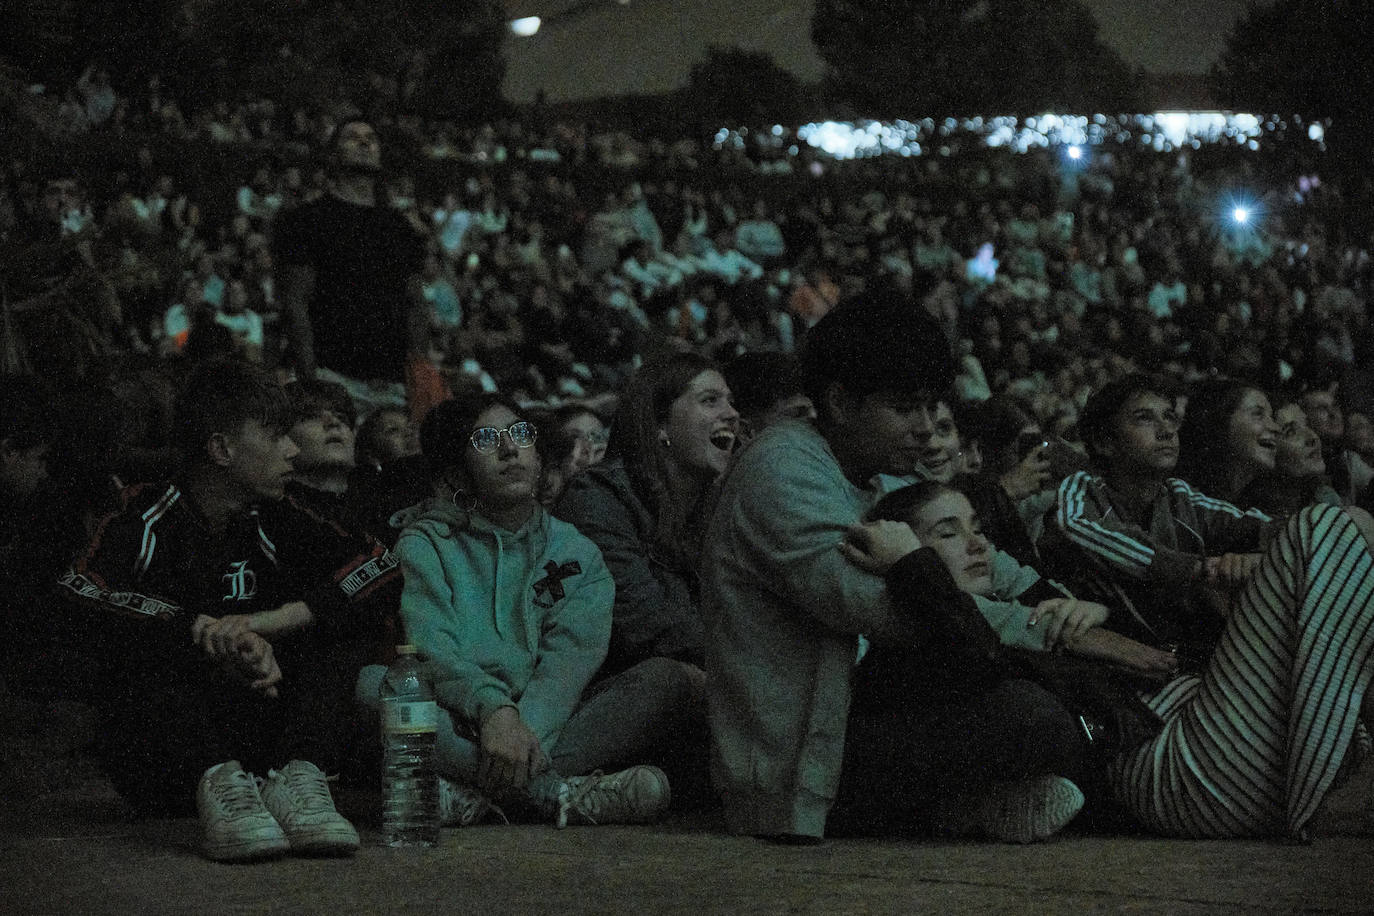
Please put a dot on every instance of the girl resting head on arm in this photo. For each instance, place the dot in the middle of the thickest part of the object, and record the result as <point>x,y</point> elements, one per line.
<point>943,519</point>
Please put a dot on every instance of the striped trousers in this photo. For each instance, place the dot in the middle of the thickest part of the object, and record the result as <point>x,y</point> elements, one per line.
<point>1251,747</point>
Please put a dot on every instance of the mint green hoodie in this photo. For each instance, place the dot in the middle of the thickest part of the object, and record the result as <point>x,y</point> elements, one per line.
<point>505,618</point>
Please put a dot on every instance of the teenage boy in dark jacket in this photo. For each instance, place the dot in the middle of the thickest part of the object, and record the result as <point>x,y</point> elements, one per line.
<point>1134,537</point>
<point>214,631</point>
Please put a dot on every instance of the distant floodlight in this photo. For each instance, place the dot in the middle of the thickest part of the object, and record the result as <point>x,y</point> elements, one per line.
<point>525,27</point>
<point>1241,215</point>
<point>1075,152</point>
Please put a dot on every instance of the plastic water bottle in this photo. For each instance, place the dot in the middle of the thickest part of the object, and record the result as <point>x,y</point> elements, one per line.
<point>410,784</point>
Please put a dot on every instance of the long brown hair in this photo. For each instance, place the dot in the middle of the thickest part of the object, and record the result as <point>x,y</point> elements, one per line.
<point>1205,458</point>
<point>644,409</point>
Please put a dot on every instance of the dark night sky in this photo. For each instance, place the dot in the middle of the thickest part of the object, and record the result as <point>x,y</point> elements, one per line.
<point>649,45</point>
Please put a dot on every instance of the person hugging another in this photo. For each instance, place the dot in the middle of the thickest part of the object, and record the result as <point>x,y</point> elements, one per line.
<point>1252,744</point>
<point>511,610</point>
<point>790,583</point>
<point>1024,609</point>
<point>1011,453</point>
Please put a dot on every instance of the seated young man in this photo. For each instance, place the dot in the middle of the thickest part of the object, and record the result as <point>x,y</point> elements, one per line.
<point>785,606</point>
<point>1134,537</point>
<point>181,591</point>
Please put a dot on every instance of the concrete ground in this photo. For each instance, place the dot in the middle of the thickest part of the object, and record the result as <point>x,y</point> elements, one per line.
<point>67,845</point>
<point>77,852</point>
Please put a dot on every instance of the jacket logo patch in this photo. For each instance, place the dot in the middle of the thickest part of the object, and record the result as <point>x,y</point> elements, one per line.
<point>242,582</point>
<point>550,587</point>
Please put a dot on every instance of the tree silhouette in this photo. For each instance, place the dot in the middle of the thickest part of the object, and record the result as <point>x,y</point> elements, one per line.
<point>734,86</point>
<point>291,50</point>
<point>1307,57</point>
<point>916,58</point>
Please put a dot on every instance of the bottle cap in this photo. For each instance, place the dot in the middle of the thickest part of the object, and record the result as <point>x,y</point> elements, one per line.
<point>406,649</point>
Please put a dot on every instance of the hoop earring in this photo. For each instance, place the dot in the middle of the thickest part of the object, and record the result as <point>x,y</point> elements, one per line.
<point>469,508</point>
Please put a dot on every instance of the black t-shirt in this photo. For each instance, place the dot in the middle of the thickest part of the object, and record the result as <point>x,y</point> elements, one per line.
<point>362,257</point>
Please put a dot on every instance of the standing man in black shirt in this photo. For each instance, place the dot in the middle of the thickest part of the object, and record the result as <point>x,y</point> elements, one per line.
<point>351,281</point>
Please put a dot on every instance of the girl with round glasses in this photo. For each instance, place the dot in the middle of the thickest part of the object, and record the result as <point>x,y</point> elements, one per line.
<point>511,610</point>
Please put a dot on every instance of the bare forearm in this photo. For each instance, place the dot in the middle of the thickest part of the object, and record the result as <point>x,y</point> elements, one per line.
<point>1122,650</point>
<point>290,617</point>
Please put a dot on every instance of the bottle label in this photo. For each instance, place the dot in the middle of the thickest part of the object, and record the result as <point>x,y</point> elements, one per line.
<point>415,717</point>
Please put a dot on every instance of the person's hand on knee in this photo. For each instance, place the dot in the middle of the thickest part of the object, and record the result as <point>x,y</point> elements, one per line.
<point>510,752</point>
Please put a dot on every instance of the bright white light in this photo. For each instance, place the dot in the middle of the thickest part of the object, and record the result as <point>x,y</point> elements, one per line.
<point>1173,125</point>
<point>525,27</point>
<point>1075,135</point>
<point>1241,215</point>
<point>1316,132</point>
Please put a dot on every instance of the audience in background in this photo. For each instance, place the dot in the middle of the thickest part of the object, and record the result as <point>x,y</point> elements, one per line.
<point>592,282</point>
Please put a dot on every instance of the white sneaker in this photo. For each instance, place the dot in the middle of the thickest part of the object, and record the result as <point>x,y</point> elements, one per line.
<point>237,825</point>
<point>462,806</point>
<point>298,797</point>
<point>1019,811</point>
<point>638,795</point>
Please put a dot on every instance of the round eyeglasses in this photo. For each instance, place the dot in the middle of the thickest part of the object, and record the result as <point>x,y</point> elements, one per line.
<point>487,439</point>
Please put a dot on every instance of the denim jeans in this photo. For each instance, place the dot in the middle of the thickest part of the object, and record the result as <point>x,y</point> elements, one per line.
<point>622,720</point>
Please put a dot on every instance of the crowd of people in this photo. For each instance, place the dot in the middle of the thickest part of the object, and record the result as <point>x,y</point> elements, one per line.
<point>964,494</point>
<point>554,255</point>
